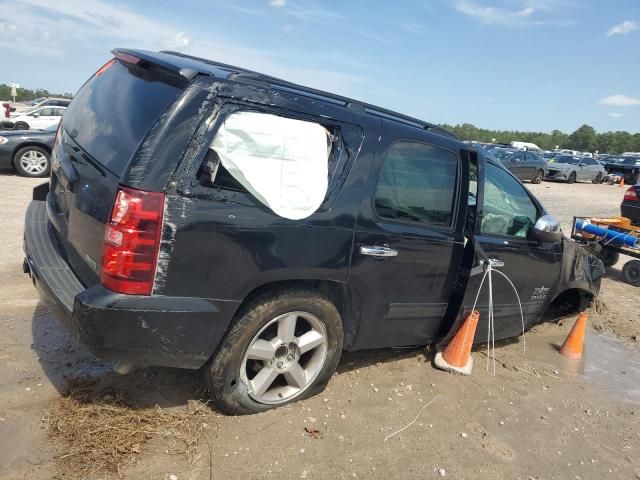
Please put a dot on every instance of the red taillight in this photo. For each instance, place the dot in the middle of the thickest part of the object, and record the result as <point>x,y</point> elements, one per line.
<point>631,194</point>
<point>131,241</point>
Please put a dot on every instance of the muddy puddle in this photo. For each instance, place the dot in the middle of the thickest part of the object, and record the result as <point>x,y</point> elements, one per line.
<point>606,363</point>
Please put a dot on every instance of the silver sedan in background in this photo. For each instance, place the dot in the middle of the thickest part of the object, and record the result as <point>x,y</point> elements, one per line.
<point>572,169</point>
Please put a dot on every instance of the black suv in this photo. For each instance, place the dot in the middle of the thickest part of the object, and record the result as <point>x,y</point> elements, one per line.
<point>158,246</point>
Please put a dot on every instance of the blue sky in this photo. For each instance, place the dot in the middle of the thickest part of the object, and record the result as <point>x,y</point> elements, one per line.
<point>507,64</point>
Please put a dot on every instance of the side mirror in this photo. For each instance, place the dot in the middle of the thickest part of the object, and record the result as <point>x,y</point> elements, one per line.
<point>547,229</point>
<point>36,115</point>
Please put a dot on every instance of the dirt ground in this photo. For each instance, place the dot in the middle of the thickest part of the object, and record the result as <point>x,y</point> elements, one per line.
<point>386,413</point>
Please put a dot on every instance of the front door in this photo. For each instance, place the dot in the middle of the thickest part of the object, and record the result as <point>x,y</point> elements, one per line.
<point>507,216</point>
<point>407,251</point>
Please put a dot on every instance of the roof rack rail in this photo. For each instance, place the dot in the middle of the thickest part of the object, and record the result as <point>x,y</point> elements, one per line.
<point>242,73</point>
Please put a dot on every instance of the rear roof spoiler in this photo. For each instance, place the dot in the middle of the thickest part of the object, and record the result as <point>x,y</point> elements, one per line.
<point>137,57</point>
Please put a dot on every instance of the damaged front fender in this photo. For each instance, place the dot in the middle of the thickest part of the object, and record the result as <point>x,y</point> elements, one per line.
<point>582,269</point>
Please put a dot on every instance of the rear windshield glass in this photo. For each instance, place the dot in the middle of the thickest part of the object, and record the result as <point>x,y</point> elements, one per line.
<point>113,112</point>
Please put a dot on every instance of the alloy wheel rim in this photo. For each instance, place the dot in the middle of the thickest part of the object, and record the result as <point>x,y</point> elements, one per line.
<point>33,162</point>
<point>284,358</point>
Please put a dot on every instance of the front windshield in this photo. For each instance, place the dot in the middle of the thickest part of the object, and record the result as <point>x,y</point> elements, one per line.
<point>566,159</point>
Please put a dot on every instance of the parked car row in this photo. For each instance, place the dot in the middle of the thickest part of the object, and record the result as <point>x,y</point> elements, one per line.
<point>533,166</point>
<point>27,134</point>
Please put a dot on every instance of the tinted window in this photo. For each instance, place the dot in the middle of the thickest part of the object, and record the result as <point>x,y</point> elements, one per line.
<point>508,209</point>
<point>417,184</point>
<point>532,157</point>
<point>44,112</point>
<point>112,113</point>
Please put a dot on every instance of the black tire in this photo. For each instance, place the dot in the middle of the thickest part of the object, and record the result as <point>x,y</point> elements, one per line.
<point>598,179</point>
<point>609,257</point>
<point>631,272</point>
<point>21,126</point>
<point>22,170</point>
<point>228,390</point>
<point>538,178</point>
<point>572,177</point>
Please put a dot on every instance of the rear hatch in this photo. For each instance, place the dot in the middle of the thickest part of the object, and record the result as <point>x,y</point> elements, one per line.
<point>99,134</point>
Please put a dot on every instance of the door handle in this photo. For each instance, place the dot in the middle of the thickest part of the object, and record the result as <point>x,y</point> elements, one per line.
<point>378,251</point>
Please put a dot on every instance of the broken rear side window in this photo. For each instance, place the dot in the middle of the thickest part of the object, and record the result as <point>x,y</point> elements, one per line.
<point>284,163</point>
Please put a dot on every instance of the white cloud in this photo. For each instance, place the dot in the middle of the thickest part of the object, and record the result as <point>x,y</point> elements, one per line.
<point>623,28</point>
<point>620,100</point>
<point>506,14</point>
<point>614,114</point>
<point>494,15</point>
<point>180,41</point>
<point>277,3</point>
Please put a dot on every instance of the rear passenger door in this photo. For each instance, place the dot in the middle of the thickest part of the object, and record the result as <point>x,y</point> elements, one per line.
<point>532,162</point>
<point>518,166</point>
<point>406,248</point>
<point>589,168</point>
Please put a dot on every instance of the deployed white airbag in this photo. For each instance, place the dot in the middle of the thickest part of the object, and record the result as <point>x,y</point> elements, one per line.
<point>281,161</point>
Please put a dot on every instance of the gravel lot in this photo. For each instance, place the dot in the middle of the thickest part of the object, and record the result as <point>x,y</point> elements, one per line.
<point>537,418</point>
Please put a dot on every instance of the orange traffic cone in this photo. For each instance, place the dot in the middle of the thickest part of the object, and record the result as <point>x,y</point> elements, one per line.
<point>622,182</point>
<point>456,357</point>
<point>572,346</point>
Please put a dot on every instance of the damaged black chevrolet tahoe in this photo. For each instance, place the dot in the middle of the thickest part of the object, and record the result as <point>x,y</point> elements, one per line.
<point>154,250</point>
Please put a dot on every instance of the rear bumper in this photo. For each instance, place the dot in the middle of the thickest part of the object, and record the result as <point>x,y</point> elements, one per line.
<point>142,330</point>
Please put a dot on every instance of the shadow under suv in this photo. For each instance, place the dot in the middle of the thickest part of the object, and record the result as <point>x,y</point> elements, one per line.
<point>162,239</point>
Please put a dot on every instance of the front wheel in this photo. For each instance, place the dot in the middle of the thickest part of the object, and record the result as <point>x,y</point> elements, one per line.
<point>572,178</point>
<point>538,178</point>
<point>21,126</point>
<point>32,161</point>
<point>282,348</point>
<point>598,179</point>
<point>631,272</point>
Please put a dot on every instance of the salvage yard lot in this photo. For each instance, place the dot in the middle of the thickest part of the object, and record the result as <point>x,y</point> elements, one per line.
<point>534,419</point>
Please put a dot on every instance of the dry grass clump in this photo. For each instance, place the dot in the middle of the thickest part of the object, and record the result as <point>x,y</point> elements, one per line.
<point>96,432</point>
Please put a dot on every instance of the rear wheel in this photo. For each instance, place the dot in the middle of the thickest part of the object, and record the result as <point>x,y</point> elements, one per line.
<point>32,161</point>
<point>609,257</point>
<point>21,126</point>
<point>538,178</point>
<point>282,348</point>
<point>598,179</point>
<point>631,272</point>
<point>572,178</point>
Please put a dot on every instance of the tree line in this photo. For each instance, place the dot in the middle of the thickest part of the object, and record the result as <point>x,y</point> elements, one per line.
<point>585,138</point>
<point>26,94</point>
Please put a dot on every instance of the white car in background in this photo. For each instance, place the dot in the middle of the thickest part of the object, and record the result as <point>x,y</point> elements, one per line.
<point>40,118</point>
